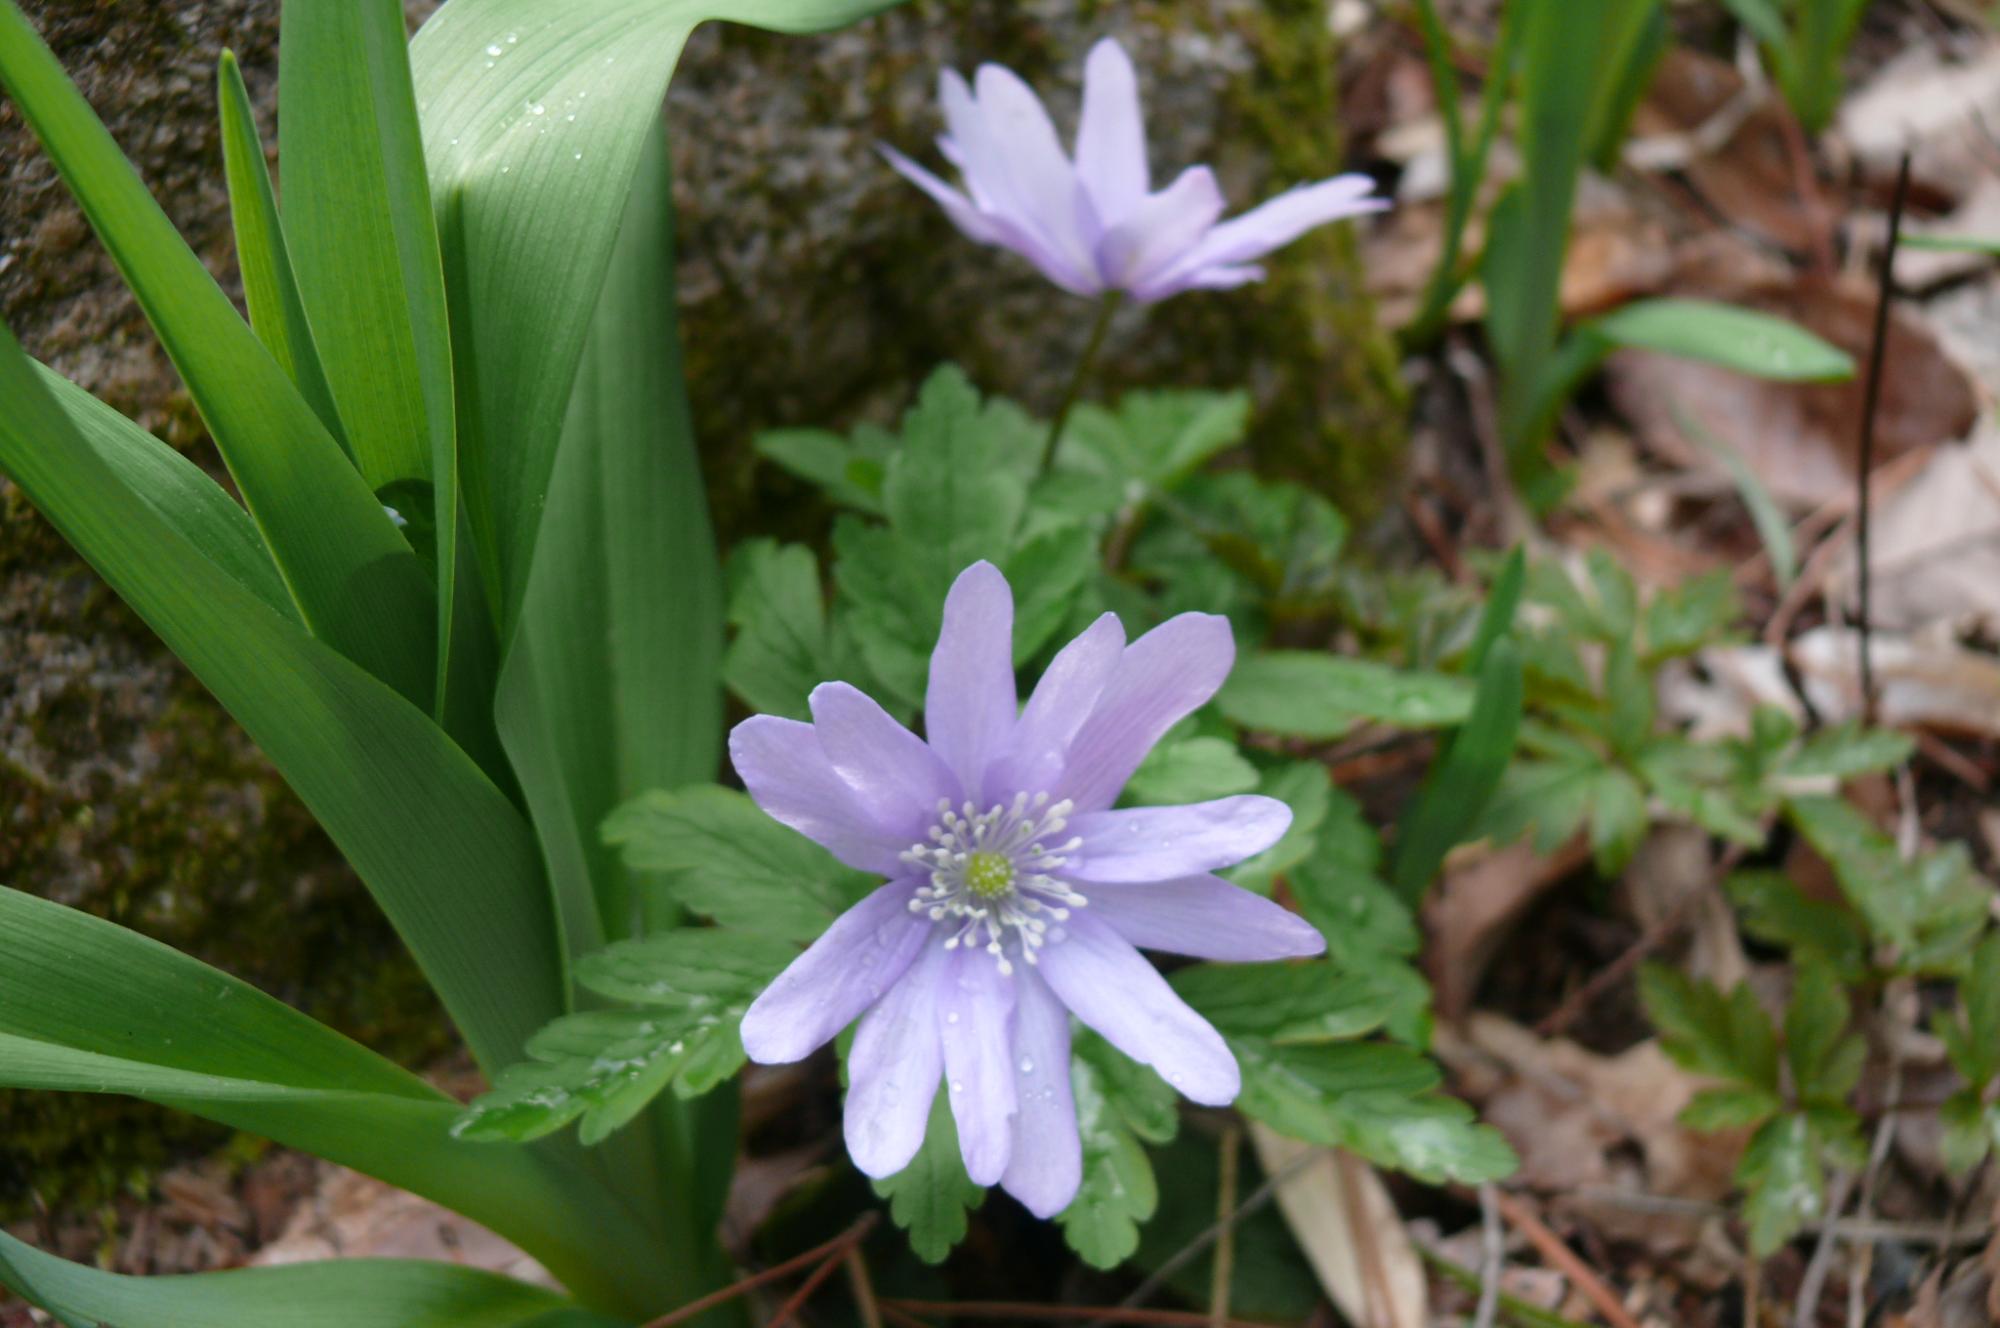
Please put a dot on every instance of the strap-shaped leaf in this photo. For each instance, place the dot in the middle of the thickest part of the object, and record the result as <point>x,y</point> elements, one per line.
<point>175,1031</point>
<point>446,855</point>
<point>358,208</point>
<point>530,201</point>
<point>270,287</point>
<point>340,1293</point>
<point>356,582</point>
<point>612,684</point>
<point>177,489</point>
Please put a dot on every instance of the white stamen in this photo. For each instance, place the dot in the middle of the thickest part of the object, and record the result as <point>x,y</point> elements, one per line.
<point>990,874</point>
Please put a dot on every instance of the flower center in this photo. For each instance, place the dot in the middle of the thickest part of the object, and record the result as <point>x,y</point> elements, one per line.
<point>989,875</point>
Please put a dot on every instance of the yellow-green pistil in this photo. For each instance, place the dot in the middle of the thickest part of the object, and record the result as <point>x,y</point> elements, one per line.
<point>989,875</point>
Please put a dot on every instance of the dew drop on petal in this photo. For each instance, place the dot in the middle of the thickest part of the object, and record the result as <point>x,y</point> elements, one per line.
<point>1027,1065</point>
<point>951,1016</point>
<point>958,1085</point>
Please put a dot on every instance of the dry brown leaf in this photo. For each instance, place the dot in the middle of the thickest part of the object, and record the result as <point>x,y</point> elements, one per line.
<point>1348,1228</point>
<point>1800,439</point>
<point>1922,681</point>
<point>1484,894</point>
<point>352,1216</point>
<point>1934,553</point>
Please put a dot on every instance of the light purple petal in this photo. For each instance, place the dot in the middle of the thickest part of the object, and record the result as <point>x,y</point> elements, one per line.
<point>1181,278</point>
<point>1110,986</point>
<point>1111,134</point>
<point>892,1072</point>
<point>1058,707</point>
<point>1205,917</point>
<point>1047,1162</point>
<point>969,706</point>
<point>896,777</point>
<point>1161,678</point>
<point>788,774</point>
<point>1164,843</point>
<point>1040,188</point>
<point>1160,230</point>
<point>1285,218</point>
<point>956,205</point>
<point>844,972</point>
<point>975,1015</point>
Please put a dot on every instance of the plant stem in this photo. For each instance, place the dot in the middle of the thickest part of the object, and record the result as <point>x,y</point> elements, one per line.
<point>1871,396</point>
<point>832,1251</point>
<point>1105,308</point>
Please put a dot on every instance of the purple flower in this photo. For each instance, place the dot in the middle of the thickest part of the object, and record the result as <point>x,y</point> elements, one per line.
<point>1095,224</point>
<point>1015,895</point>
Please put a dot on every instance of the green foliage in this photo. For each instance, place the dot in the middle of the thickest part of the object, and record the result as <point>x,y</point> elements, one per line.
<point>1120,1106</point>
<point>1805,43</point>
<point>605,1066</point>
<point>1971,1040</point>
<point>723,858</point>
<point>1930,912</point>
<point>1300,694</point>
<point>930,1198</point>
<point>1799,1112</point>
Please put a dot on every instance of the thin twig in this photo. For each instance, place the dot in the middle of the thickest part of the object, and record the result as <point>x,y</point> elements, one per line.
<point>864,1289</point>
<point>846,1239</point>
<point>900,1319</point>
<point>1225,1241</point>
<point>1805,1309</point>
<point>1552,1248</point>
<point>1191,1251</point>
<point>1106,307</point>
<point>1871,398</point>
<point>805,1291</point>
<point>1493,1251</point>
<point>1003,1310</point>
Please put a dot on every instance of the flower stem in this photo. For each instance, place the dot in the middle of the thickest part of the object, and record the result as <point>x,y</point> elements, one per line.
<point>1105,308</point>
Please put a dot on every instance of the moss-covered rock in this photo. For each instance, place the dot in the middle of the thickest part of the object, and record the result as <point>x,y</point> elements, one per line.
<point>817,289</point>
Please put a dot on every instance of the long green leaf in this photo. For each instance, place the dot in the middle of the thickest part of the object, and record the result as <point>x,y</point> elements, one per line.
<point>341,1293</point>
<point>178,490</point>
<point>355,580</point>
<point>270,287</point>
<point>447,856</point>
<point>358,205</point>
<point>1467,771</point>
<point>535,116</point>
<point>612,687</point>
<point>173,1030</point>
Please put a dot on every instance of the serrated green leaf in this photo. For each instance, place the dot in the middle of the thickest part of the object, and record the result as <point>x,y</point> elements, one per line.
<point>1373,1099</point>
<point>1728,1036</point>
<point>1729,1109</point>
<point>930,1198</point>
<point>781,650</point>
<point>1280,541</point>
<point>1153,438</point>
<point>1303,694</point>
<point>1971,1130</point>
<point>725,859</point>
<point>1047,572</point>
<point>1845,751</point>
<point>1776,911</point>
<point>1118,1191</point>
<point>1307,789</point>
<point>1971,1033</point>
<point>951,490</point>
<point>1783,1181</point>
<point>605,1066</point>
<point>1191,770</point>
<point>848,470</point>
<point>1825,1062</point>
<point>1314,1002</point>
<point>1617,819</point>
<point>1932,910</point>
